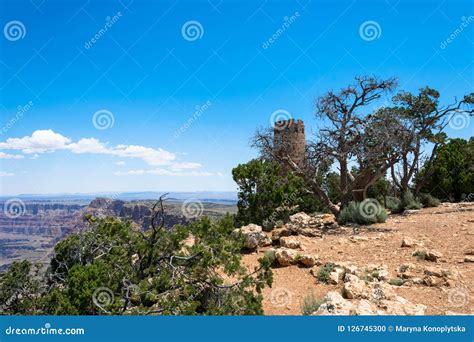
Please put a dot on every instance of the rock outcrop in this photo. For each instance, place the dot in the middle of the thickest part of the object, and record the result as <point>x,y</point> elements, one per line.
<point>312,226</point>
<point>360,298</point>
<point>286,256</point>
<point>253,236</point>
<point>290,242</point>
<point>139,212</point>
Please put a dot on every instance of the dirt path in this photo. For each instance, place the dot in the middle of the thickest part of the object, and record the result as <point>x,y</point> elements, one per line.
<point>448,229</point>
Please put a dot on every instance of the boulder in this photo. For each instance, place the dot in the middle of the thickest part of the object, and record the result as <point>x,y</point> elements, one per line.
<point>408,242</point>
<point>433,281</point>
<point>286,256</point>
<point>289,242</point>
<point>381,291</point>
<point>417,281</point>
<point>354,288</point>
<point>310,232</point>
<point>433,255</point>
<point>308,260</point>
<point>326,219</point>
<point>334,304</point>
<point>254,236</point>
<point>364,308</point>
<point>266,241</point>
<point>347,266</point>
<point>469,258</point>
<point>251,229</point>
<point>300,218</point>
<point>280,232</point>
<point>437,272</point>
<point>400,306</point>
<point>469,251</point>
<point>336,276</point>
<point>407,275</point>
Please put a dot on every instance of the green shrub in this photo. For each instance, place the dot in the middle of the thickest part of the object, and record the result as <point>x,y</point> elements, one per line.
<point>310,304</point>
<point>420,254</point>
<point>404,268</point>
<point>380,190</point>
<point>266,197</point>
<point>429,201</point>
<point>451,172</point>
<point>393,203</point>
<point>396,281</point>
<point>409,201</point>
<point>367,278</point>
<point>87,277</point>
<point>366,212</point>
<point>324,271</point>
<point>270,256</point>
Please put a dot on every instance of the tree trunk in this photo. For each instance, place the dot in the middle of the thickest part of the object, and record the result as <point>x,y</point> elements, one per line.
<point>359,194</point>
<point>315,187</point>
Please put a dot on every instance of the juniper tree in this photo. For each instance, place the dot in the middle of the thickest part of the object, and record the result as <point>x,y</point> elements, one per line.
<point>423,115</point>
<point>110,268</point>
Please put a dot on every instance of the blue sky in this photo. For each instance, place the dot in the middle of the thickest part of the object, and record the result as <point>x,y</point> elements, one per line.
<point>184,103</point>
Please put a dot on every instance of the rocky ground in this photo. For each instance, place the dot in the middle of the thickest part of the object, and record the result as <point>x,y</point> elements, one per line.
<point>419,262</point>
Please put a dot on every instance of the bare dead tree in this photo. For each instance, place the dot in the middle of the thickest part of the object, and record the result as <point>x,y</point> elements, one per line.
<point>350,138</point>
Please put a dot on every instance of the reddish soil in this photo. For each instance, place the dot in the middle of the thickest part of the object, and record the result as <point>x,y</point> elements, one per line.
<point>448,229</point>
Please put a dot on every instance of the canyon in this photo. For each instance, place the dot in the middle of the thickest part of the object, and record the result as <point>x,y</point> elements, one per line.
<point>42,222</point>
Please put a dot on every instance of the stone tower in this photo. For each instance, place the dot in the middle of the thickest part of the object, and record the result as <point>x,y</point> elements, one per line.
<point>289,138</point>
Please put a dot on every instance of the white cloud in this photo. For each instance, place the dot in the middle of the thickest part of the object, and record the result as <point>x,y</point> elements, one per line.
<point>120,163</point>
<point>164,172</point>
<point>6,174</point>
<point>4,155</point>
<point>88,145</point>
<point>40,141</point>
<point>149,155</point>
